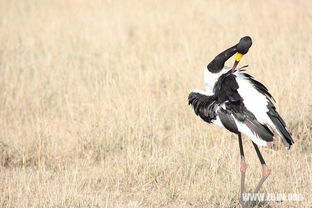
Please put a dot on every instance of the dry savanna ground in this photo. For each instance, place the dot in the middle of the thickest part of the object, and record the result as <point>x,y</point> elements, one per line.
<point>93,102</point>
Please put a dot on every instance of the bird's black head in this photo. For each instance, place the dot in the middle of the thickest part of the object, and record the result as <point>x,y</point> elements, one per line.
<point>242,48</point>
<point>244,45</point>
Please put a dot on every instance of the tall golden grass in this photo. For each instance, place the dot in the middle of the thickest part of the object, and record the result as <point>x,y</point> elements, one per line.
<point>93,102</point>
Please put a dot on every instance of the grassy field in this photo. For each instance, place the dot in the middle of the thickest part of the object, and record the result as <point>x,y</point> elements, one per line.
<point>93,102</point>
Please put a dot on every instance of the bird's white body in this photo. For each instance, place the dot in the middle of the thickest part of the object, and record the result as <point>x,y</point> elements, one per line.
<point>254,101</point>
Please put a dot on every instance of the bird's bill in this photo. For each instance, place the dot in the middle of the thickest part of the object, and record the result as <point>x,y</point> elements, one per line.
<point>238,57</point>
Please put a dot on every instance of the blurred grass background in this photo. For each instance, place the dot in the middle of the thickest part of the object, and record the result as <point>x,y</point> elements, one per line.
<point>93,102</point>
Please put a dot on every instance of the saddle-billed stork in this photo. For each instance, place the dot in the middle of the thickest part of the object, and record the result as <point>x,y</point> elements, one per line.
<point>236,101</point>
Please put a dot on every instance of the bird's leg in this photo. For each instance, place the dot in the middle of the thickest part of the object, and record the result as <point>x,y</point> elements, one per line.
<point>242,168</point>
<point>265,169</point>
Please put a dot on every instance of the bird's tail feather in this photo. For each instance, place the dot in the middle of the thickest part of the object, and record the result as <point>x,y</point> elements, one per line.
<point>260,130</point>
<point>280,127</point>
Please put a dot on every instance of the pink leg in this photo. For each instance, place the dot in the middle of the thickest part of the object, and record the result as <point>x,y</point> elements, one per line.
<point>265,170</point>
<point>265,174</point>
<point>243,166</point>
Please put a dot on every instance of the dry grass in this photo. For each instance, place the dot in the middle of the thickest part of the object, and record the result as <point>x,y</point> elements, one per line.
<point>93,102</point>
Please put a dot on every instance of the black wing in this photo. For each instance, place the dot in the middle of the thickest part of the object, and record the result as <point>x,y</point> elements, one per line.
<point>225,92</point>
<point>204,106</point>
<point>272,113</point>
<point>226,89</point>
<point>280,125</point>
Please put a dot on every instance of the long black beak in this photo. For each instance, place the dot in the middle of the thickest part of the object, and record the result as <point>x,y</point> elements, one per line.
<point>234,66</point>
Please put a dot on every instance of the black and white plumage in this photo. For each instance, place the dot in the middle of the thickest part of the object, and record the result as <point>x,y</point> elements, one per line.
<point>239,103</point>
<point>236,101</point>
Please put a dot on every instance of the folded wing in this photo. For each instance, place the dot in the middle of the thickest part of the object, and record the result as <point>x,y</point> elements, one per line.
<point>227,106</point>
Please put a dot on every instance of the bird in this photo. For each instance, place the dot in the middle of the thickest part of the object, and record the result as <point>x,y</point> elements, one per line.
<point>234,100</point>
